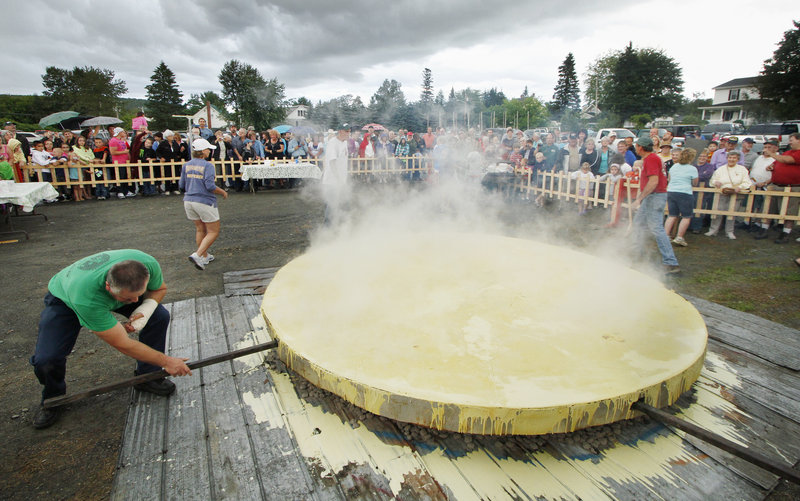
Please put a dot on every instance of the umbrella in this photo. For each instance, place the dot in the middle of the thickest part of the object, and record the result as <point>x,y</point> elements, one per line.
<point>374,126</point>
<point>282,128</point>
<point>101,121</point>
<point>55,118</point>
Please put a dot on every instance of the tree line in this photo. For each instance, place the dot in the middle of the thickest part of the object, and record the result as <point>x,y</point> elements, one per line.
<point>630,85</point>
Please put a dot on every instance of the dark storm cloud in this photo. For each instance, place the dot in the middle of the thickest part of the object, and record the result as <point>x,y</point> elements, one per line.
<point>299,43</point>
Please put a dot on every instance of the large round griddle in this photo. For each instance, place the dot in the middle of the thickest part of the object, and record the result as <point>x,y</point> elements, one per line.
<point>482,334</point>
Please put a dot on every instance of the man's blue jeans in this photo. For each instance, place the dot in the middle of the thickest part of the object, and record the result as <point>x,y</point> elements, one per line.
<point>58,331</point>
<point>650,216</point>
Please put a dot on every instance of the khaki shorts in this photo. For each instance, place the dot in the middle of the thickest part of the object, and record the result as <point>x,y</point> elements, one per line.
<point>775,206</point>
<point>201,211</point>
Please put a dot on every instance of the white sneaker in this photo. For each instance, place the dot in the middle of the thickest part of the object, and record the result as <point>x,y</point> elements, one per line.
<point>166,193</point>
<point>176,192</point>
<point>731,235</point>
<point>711,233</point>
<point>680,241</point>
<point>101,198</point>
<point>120,195</point>
<point>209,257</point>
<point>197,261</point>
<point>130,194</point>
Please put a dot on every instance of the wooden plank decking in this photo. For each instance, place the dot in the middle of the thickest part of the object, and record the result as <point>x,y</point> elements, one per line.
<point>247,429</point>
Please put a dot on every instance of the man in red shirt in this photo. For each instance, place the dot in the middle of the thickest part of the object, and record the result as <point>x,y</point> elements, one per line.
<point>650,203</point>
<point>785,172</point>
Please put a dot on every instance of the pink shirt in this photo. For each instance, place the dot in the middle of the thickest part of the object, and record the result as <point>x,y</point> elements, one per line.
<point>139,123</point>
<point>119,145</point>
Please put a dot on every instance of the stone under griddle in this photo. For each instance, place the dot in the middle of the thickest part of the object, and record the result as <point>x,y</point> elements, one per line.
<point>482,334</point>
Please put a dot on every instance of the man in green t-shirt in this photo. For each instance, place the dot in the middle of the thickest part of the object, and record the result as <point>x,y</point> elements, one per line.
<point>87,293</point>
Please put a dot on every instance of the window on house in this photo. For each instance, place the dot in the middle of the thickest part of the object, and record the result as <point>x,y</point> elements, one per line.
<point>733,95</point>
<point>727,115</point>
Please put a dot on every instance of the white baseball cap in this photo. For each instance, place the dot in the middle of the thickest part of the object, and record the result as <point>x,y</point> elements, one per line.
<point>201,144</point>
<point>117,130</point>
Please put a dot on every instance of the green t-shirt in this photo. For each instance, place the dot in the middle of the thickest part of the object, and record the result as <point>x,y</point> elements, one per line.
<point>6,171</point>
<point>82,286</point>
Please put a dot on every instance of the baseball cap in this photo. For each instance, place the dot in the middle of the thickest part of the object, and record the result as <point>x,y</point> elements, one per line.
<point>8,123</point>
<point>344,127</point>
<point>666,145</point>
<point>572,135</point>
<point>748,140</point>
<point>644,141</point>
<point>117,130</point>
<point>201,144</point>
<point>733,139</point>
<point>773,142</point>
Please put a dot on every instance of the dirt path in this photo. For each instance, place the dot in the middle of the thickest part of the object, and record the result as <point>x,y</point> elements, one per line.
<point>76,458</point>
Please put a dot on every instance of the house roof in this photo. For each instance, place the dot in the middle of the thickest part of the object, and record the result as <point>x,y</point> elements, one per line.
<point>729,104</point>
<point>738,82</point>
<point>212,107</point>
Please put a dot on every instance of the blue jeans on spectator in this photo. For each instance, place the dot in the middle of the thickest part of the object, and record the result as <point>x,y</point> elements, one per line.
<point>58,331</point>
<point>699,219</point>
<point>650,216</point>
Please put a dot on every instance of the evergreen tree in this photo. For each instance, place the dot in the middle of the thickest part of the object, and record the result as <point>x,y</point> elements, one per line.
<point>567,94</point>
<point>89,90</point>
<point>385,104</point>
<point>426,97</point>
<point>779,81</point>
<point>164,99</point>
<point>644,81</point>
<point>255,101</point>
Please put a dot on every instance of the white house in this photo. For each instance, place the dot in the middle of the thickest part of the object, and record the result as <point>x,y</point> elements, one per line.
<point>217,121</point>
<point>297,115</point>
<point>729,100</point>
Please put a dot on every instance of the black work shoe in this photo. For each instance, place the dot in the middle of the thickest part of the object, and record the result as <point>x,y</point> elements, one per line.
<point>45,418</point>
<point>762,234</point>
<point>161,387</point>
<point>783,238</point>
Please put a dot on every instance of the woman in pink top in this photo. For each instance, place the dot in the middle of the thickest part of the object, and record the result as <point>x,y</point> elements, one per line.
<point>118,146</point>
<point>139,122</point>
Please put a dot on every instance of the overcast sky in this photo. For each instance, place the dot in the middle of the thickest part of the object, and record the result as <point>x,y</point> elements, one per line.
<point>324,49</point>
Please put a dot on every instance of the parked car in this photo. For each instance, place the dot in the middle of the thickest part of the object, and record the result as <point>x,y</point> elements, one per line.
<point>778,131</point>
<point>30,136</point>
<point>621,134</point>
<point>530,132</point>
<point>721,129</point>
<point>646,132</point>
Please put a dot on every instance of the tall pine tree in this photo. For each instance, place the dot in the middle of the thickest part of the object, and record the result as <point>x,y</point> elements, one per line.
<point>426,96</point>
<point>567,96</point>
<point>164,99</point>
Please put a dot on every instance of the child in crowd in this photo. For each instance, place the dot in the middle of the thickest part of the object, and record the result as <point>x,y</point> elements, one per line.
<point>680,199</point>
<point>613,175</point>
<point>584,178</point>
<point>539,167</point>
<point>102,156</point>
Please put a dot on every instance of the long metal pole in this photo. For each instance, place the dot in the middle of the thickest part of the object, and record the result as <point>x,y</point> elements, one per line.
<point>152,376</point>
<point>748,455</point>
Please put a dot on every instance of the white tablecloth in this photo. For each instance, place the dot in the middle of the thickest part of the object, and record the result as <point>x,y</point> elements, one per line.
<point>275,170</point>
<point>26,195</point>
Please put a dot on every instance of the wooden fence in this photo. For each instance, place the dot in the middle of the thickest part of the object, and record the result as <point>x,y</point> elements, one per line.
<point>550,185</point>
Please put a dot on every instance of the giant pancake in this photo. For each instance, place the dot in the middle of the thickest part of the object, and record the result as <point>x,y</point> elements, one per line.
<point>481,333</point>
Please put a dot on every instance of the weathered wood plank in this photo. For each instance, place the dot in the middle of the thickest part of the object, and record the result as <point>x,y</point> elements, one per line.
<point>283,473</point>
<point>773,386</point>
<point>141,455</point>
<point>769,340</point>
<point>774,330</point>
<point>233,471</point>
<point>730,413</point>
<point>233,275</point>
<point>186,469</point>
<point>753,342</point>
<point>707,477</point>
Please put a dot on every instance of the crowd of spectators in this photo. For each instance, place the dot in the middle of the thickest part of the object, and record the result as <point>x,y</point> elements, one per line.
<point>426,156</point>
